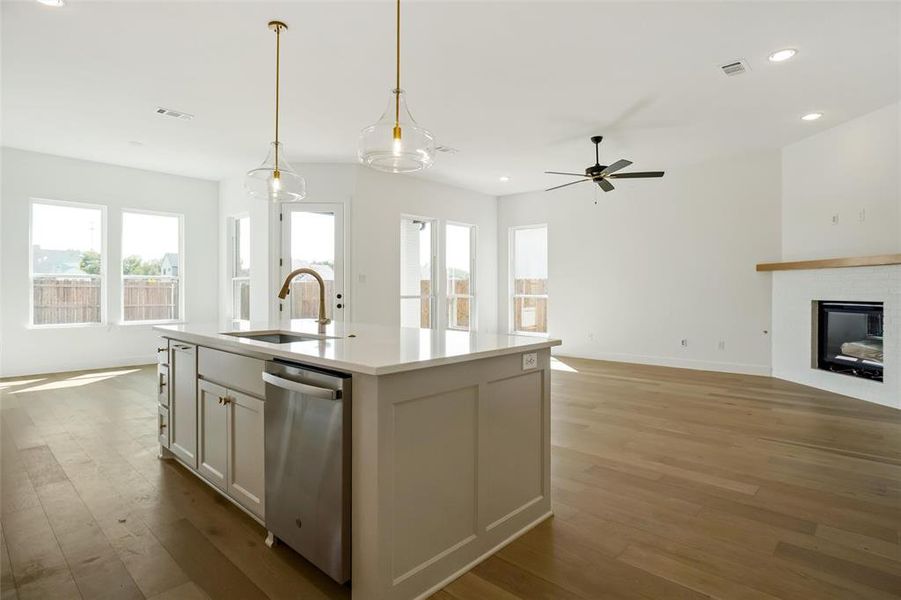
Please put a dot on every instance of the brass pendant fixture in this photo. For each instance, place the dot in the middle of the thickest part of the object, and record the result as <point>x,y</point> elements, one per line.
<point>395,143</point>
<point>276,180</point>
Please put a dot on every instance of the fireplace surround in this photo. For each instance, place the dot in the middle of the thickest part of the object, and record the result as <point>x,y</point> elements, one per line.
<point>795,322</point>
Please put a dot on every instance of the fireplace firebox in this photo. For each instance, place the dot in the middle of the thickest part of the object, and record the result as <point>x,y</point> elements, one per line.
<point>849,338</point>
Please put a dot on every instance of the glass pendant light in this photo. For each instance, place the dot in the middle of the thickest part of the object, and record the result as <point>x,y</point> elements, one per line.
<point>276,180</point>
<point>395,143</point>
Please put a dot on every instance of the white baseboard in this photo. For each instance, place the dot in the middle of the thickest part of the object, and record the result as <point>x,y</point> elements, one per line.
<point>680,363</point>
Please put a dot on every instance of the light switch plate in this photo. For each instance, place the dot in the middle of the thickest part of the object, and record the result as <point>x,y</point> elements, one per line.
<point>529,360</point>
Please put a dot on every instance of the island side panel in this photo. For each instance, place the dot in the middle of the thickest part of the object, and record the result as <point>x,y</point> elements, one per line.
<point>452,463</point>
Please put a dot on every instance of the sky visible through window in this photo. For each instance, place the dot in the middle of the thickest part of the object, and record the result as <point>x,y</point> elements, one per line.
<point>149,236</point>
<point>458,246</point>
<point>313,237</point>
<point>57,227</point>
<point>530,253</point>
<point>242,264</point>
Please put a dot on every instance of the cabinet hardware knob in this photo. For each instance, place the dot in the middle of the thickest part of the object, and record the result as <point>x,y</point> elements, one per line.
<point>161,349</point>
<point>220,399</point>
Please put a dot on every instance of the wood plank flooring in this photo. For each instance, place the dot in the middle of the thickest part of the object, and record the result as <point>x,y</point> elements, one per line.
<point>667,484</point>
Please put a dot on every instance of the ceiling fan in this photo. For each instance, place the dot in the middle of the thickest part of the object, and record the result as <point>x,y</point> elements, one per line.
<point>600,174</point>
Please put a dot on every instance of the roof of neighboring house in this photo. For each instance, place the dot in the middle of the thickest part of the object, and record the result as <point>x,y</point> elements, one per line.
<point>46,260</point>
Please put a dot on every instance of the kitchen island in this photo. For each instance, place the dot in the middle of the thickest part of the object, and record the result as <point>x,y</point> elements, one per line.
<point>449,436</point>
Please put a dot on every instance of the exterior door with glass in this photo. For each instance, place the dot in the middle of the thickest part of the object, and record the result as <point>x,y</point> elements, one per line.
<point>313,237</point>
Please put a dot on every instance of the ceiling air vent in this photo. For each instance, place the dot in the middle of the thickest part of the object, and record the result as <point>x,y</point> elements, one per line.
<point>736,67</point>
<point>175,114</point>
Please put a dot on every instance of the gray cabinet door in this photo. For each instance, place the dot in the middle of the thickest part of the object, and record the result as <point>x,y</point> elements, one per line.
<point>246,478</point>
<point>183,403</point>
<point>212,457</point>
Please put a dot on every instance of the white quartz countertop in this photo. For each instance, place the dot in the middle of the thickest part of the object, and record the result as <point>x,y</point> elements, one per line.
<point>356,347</point>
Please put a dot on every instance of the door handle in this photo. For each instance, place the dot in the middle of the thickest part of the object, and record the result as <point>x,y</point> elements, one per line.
<point>302,388</point>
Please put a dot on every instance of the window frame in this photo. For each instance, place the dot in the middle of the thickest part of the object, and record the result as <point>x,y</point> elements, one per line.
<point>511,279</point>
<point>104,263</point>
<point>181,267</point>
<point>433,268</point>
<point>473,288</point>
<point>232,233</point>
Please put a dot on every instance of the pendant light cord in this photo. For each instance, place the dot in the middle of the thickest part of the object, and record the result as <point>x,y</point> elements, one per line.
<point>397,82</point>
<point>278,45</point>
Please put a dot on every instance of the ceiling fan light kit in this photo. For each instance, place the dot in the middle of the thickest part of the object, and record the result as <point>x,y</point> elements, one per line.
<point>601,174</point>
<point>276,180</point>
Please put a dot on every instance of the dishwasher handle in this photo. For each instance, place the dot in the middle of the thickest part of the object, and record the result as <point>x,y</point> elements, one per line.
<point>302,388</point>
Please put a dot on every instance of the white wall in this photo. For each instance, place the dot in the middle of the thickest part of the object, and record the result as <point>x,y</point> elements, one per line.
<point>26,175</point>
<point>373,205</point>
<point>656,261</point>
<point>850,173</point>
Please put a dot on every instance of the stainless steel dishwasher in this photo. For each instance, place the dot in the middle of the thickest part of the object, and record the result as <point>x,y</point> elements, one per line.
<point>307,429</point>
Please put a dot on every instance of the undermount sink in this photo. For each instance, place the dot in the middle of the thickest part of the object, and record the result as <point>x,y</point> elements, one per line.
<point>277,337</point>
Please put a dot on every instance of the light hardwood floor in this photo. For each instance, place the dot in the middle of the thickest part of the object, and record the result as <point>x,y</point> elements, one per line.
<point>666,484</point>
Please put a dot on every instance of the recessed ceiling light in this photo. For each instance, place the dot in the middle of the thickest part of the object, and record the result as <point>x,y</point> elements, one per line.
<point>55,3</point>
<point>503,179</point>
<point>811,116</point>
<point>783,55</point>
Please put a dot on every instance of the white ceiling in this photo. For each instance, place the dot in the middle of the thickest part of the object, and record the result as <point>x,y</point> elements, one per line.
<point>517,87</point>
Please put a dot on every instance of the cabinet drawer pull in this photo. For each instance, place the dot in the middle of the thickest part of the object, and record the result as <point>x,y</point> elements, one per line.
<point>162,383</point>
<point>161,349</point>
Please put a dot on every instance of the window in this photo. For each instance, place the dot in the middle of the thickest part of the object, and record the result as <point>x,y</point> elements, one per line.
<point>240,268</point>
<point>313,238</point>
<point>460,267</point>
<point>528,268</point>
<point>151,266</point>
<point>417,277</point>
<point>67,263</point>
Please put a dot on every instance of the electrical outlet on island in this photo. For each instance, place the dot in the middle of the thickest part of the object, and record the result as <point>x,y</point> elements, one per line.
<point>529,361</point>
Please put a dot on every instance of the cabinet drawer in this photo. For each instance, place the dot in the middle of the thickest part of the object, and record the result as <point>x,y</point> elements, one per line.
<point>232,370</point>
<point>163,426</point>
<point>162,384</point>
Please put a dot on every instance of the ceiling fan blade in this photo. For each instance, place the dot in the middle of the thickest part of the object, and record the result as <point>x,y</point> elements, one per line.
<point>605,185</point>
<point>637,175</point>
<point>620,164</point>
<point>557,187</point>
<point>561,173</point>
